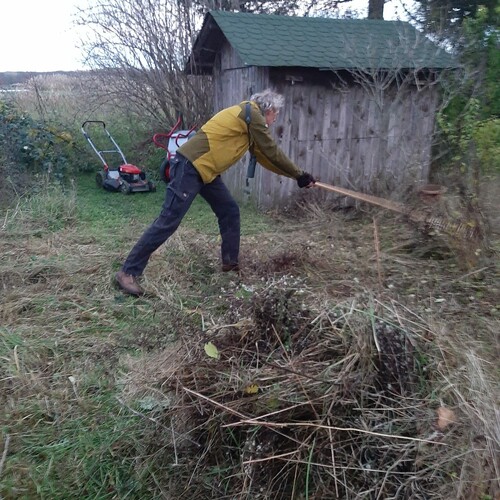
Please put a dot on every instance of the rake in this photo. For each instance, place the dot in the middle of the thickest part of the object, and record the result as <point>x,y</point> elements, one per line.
<point>468,230</point>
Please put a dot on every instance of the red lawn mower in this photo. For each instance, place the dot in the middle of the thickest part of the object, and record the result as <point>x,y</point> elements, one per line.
<point>170,142</point>
<point>125,177</point>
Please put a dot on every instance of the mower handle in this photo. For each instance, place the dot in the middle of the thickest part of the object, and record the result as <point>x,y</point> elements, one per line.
<point>93,121</point>
<point>159,137</point>
<point>161,140</point>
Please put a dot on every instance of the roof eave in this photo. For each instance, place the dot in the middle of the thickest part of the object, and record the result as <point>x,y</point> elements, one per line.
<point>200,61</point>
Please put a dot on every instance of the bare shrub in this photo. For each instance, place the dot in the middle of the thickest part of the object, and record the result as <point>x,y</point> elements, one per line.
<point>138,49</point>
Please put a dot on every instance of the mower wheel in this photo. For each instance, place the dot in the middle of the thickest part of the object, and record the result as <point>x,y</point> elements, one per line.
<point>152,186</point>
<point>125,188</point>
<point>99,179</point>
<point>165,171</point>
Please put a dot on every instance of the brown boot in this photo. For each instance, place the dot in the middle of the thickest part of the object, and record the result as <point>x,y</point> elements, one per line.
<point>128,283</point>
<point>230,267</point>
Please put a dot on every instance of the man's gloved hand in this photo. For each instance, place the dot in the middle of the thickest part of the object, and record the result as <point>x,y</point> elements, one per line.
<point>305,180</point>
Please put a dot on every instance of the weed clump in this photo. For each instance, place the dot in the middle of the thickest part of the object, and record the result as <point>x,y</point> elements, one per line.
<point>294,400</point>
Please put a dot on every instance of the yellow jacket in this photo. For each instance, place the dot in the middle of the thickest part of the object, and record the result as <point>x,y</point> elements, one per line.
<point>223,140</point>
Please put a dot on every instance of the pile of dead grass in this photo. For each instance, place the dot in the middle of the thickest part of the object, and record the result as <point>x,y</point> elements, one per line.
<point>284,398</point>
<point>338,366</point>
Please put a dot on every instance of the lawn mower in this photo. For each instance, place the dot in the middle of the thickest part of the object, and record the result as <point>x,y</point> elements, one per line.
<point>170,142</point>
<point>123,177</point>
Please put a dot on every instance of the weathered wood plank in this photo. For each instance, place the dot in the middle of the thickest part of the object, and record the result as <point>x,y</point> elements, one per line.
<point>378,143</point>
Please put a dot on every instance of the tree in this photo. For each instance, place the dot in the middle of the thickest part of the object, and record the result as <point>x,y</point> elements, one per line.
<point>444,18</point>
<point>279,7</point>
<point>376,9</point>
<point>469,126</point>
<point>138,49</point>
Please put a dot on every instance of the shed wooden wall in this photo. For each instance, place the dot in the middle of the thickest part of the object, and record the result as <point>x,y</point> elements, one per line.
<point>343,134</point>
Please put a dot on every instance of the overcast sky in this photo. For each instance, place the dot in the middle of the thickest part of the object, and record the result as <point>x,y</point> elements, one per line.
<point>39,35</point>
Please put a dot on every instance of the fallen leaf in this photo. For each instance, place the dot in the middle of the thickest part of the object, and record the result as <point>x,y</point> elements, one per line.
<point>445,418</point>
<point>251,389</point>
<point>211,350</point>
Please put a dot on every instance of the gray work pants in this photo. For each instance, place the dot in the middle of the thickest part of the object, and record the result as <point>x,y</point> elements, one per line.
<point>185,184</point>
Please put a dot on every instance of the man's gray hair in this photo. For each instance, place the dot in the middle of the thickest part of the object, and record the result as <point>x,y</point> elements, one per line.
<point>267,99</point>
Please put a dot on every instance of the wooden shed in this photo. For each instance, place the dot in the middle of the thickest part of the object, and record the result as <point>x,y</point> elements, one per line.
<point>360,97</point>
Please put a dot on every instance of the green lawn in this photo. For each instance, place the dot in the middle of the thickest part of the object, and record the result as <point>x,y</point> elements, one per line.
<point>103,212</point>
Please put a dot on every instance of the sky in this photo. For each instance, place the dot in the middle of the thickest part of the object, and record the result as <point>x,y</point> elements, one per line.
<point>39,35</point>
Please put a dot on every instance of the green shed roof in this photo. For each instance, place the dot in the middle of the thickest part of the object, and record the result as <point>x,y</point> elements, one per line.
<point>313,42</point>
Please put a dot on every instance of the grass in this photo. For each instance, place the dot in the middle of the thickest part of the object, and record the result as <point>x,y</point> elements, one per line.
<point>94,399</point>
<point>106,213</point>
<point>66,329</point>
<point>74,453</point>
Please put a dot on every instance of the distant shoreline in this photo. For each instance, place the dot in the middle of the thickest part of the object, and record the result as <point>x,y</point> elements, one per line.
<point>9,79</point>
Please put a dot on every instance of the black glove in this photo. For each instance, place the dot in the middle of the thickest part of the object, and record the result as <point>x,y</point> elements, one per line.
<point>305,179</point>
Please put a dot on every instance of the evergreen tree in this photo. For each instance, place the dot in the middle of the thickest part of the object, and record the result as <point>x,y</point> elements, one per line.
<point>444,18</point>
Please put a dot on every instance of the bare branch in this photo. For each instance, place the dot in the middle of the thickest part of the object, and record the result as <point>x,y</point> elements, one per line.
<point>138,49</point>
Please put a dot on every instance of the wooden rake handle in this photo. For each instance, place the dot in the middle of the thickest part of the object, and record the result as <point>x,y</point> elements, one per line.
<point>374,200</point>
<point>467,230</point>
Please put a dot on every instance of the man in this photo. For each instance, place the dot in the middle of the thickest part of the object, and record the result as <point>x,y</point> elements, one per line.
<point>198,163</point>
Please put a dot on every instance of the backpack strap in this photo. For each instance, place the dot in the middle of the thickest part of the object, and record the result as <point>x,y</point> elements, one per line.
<point>253,160</point>
<point>248,117</point>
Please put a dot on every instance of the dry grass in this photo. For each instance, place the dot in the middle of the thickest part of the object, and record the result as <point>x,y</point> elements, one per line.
<point>337,347</point>
<point>335,355</point>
